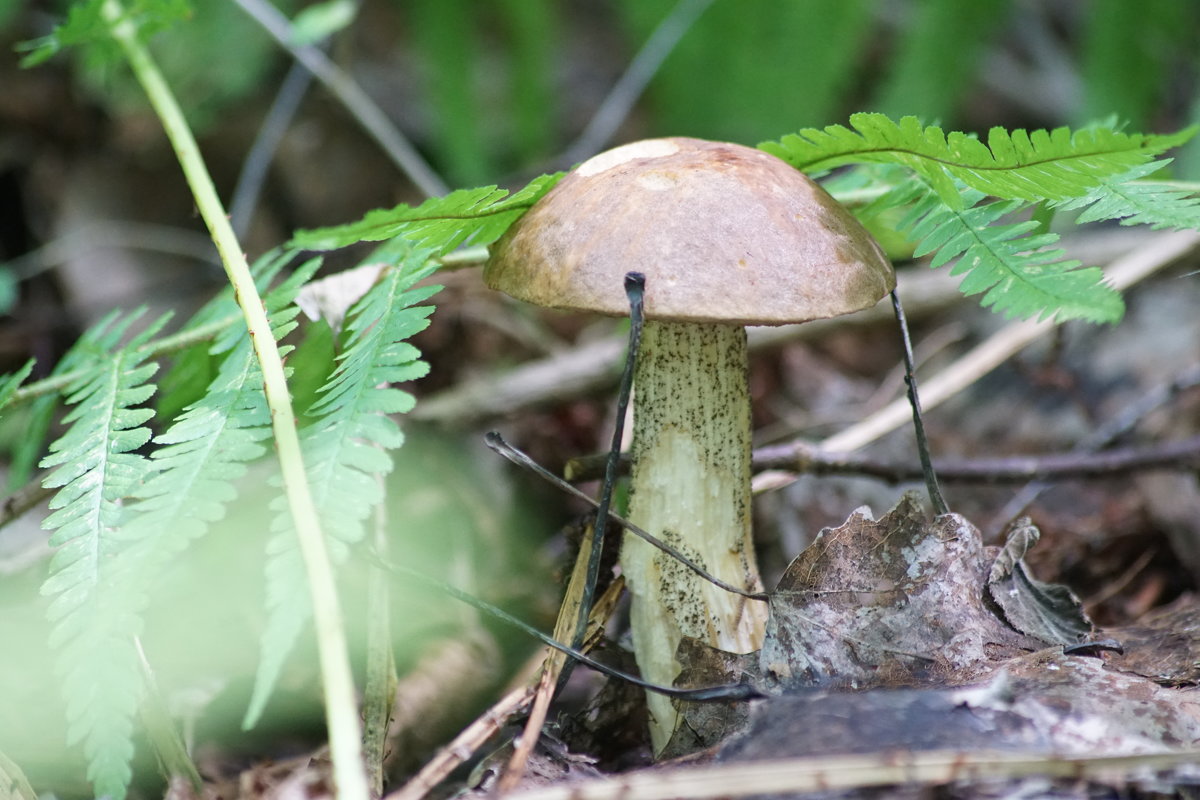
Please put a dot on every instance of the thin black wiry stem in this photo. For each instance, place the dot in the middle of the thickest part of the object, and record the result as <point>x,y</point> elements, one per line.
<point>635,290</point>
<point>497,443</point>
<point>733,691</point>
<point>910,380</point>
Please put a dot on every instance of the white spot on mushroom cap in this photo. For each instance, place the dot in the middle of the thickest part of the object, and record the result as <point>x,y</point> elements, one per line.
<point>656,181</point>
<point>650,148</point>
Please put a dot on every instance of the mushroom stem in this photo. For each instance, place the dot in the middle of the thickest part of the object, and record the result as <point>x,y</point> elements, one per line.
<point>690,486</point>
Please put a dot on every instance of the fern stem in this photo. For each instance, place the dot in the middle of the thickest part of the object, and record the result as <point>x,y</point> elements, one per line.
<point>340,702</point>
<point>151,349</point>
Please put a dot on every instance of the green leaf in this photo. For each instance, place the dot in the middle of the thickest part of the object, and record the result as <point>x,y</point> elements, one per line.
<point>475,216</point>
<point>1134,201</point>
<point>195,367</point>
<point>85,25</point>
<point>1029,166</point>
<point>12,382</point>
<point>312,363</point>
<point>345,449</point>
<point>1018,274</point>
<point>9,292</point>
<point>321,20</point>
<point>92,609</point>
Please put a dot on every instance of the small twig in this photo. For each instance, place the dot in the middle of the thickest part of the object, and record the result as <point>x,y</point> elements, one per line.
<point>474,735</point>
<point>708,694</point>
<point>806,458</point>
<point>24,499</point>
<point>1104,435</point>
<point>379,688</point>
<point>1124,579</point>
<point>910,380</point>
<point>555,667</point>
<point>989,354</point>
<point>84,240</point>
<point>342,86</point>
<point>581,589</point>
<point>463,746</point>
<point>497,443</point>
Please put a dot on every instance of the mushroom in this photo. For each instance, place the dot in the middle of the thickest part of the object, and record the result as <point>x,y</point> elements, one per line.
<point>727,236</point>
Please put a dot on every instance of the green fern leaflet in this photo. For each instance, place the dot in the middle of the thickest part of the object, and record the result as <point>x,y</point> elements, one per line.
<point>95,468</point>
<point>345,449</point>
<point>1017,273</point>
<point>440,224</point>
<point>1031,166</point>
<point>1135,201</point>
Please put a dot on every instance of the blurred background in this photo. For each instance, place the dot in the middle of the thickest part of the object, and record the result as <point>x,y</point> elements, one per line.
<point>94,214</point>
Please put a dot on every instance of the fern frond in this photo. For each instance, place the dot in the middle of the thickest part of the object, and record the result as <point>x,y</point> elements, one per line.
<point>440,224</point>
<point>345,449</point>
<point>85,25</point>
<point>95,469</point>
<point>194,368</point>
<point>206,449</point>
<point>1030,166</point>
<point>10,383</point>
<point>1018,273</point>
<point>1134,201</point>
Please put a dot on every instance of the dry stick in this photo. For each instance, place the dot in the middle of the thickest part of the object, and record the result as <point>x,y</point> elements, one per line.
<point>552,671</point>
<point>497,443</point>
<point>831,773</point>
<point>988,355</point>
<point>809,459</point>
<point>635,290</point>
<point>1103,436</point>
<point>464,745</point>
<point>474,735</point>
<point>27,497</point>
<point>379,688</point>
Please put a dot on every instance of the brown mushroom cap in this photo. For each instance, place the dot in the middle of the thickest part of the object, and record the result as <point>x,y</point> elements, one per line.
<point>723,233</point>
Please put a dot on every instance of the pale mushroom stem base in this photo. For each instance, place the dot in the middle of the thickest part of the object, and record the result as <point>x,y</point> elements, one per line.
<point>690,486</point>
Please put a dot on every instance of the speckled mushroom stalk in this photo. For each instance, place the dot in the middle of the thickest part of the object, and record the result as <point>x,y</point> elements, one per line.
<point>726,236</point>
<point>690,486</point>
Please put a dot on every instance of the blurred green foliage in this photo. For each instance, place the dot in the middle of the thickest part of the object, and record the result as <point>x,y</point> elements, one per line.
<point>499,82</point>
<point>750,69</point>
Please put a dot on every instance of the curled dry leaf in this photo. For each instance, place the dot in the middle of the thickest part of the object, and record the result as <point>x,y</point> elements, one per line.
<point>890,601</point>
<point>1049,611</point>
